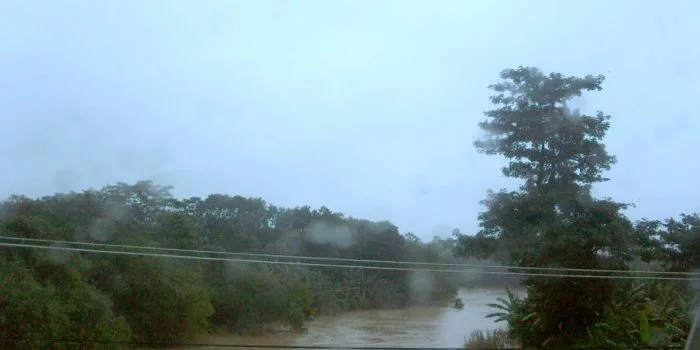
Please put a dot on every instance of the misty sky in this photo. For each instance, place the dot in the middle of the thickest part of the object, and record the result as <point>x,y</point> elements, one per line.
<point>367,107</point>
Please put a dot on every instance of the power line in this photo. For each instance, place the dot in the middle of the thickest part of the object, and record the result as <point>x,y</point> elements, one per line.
<point>279,256</point>
<point>300,263</point>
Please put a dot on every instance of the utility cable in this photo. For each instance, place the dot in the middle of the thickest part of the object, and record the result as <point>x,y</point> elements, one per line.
<point>278,256</point>
<point>370,267</point>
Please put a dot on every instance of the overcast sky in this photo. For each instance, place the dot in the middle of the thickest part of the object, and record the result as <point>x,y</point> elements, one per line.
<point>367,107</point>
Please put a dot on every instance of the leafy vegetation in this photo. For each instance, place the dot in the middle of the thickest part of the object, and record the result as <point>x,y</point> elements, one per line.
<point>553,220</point>
<point>84,295</point>
<point>495,339</point>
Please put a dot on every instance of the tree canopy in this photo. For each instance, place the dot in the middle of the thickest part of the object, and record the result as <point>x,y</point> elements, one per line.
<point>547,144</point>
<point>553,220</point>
<point>151,299</point>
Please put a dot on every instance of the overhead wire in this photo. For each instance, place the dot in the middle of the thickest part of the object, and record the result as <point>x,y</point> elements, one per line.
<point>280,256</point>
<point>297,263</point>
<point>309,264</point>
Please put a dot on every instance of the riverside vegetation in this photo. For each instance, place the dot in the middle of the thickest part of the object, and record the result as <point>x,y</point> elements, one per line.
<point>553,220</point>
<point>97,296</point>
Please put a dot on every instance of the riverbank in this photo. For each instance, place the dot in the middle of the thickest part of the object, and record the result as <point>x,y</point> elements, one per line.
<point>429,326</point>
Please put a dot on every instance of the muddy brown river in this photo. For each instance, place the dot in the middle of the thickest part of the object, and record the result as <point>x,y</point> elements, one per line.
<point>411,327</point>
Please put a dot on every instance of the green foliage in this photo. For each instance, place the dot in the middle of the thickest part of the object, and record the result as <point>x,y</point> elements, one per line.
<point>554,221</point>
<point>520,317</point>
<point>643,314</point>
<point>546,143</point>
<point>495,339</point>
<point>165,301</point>
<point>63,306</point>
<point>246,297</point>
<point>675,243</point>
<point>148,299</point>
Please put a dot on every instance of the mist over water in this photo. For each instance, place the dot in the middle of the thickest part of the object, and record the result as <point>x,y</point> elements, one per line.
<point>421,286</point>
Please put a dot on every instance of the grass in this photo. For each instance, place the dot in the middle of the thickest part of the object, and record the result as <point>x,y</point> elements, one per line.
<point>493,339</point>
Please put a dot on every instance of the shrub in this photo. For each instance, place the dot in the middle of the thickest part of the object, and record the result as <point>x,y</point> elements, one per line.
<point>493,339</point>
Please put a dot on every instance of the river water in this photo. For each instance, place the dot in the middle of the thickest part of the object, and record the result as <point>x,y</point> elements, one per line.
<point>412,327</point>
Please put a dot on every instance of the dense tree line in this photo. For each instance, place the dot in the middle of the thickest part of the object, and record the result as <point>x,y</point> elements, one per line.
<point>88,295</point>
<point>553,220</point>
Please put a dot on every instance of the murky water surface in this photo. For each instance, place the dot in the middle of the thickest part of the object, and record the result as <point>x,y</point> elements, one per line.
<point>412,327</point>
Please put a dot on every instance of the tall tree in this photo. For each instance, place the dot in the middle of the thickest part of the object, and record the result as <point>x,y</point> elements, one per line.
<point>547,143</point>
<point>552,220</point>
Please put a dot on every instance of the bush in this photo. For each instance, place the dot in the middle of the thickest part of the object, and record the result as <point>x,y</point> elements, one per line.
<point>63,307</point>
<point>164,303</point>
<point>245,298</point>
<point>493,339</point>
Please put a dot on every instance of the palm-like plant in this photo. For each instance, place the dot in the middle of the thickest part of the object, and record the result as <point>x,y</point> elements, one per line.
<point>514,312</point>
<point>640,314</point>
